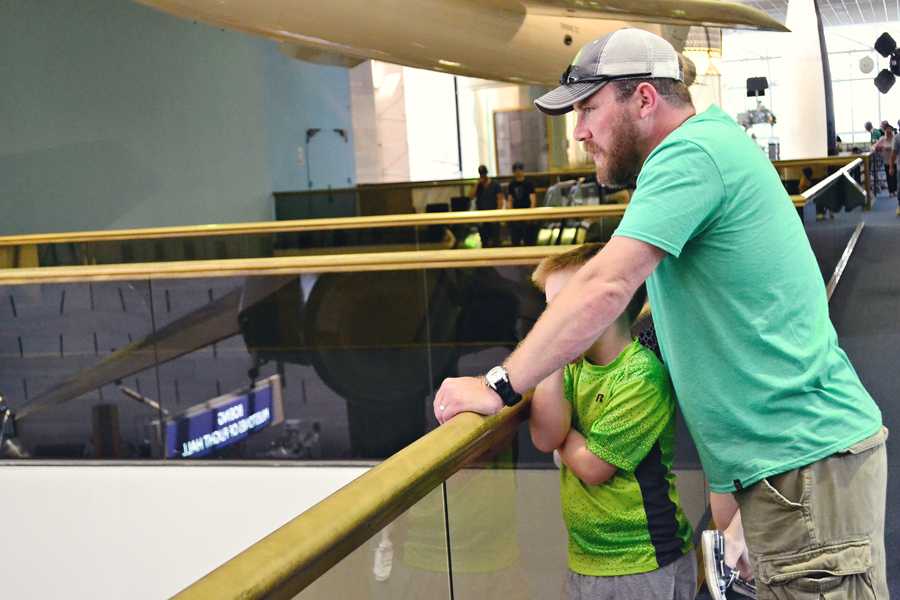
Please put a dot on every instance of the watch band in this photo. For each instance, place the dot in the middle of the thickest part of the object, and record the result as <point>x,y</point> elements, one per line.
<point>498,380</point>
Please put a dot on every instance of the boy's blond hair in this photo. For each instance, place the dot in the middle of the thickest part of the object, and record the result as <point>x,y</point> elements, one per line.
<point>574,260</point>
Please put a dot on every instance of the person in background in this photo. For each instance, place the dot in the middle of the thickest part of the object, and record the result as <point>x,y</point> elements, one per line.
<point>805,184</point>
<point>805,180</point>
<point>895,152</point>
<point>874,133</point>
<point>884,146</point>
<point>520,194</point>
<point>487,194</point>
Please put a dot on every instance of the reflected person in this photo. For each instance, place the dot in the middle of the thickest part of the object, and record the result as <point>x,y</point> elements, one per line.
<point>487,194</point>
<point>521,194</point>
<point>482,530</point>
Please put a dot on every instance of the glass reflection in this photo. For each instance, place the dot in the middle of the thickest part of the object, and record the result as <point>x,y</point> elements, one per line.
<point>357,357</point>
<point>483,529</point>
<point>56,342</point>
<point>406,560</point>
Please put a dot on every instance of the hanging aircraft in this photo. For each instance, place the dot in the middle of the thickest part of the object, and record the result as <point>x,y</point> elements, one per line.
<point>517,41</point>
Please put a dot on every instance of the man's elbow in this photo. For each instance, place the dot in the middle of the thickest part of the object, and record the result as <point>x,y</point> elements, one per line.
<point>602,294</point>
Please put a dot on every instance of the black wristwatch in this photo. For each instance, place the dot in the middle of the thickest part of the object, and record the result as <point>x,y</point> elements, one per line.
<point>498,380</point>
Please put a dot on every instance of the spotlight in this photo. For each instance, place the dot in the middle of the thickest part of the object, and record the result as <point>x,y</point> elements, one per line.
<point>885,81</point>
<point>757,86</point>
<point>887,47</point>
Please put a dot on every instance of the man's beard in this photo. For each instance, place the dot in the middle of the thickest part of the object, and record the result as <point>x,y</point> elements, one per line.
<point>621,163</point>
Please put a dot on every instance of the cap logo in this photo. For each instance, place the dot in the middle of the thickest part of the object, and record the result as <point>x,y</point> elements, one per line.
<point>577,56</point>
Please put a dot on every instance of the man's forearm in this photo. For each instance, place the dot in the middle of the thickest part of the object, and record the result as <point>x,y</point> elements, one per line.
<point>594,298</point>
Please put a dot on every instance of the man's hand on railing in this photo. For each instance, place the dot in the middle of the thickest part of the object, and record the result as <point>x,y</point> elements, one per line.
<point>465,394</point>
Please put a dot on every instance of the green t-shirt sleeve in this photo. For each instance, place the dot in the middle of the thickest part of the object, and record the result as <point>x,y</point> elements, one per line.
<point>679,193</point>
<point>635,417</point>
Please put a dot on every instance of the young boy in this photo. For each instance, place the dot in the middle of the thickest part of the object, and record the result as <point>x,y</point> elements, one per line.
<point>610,417</point>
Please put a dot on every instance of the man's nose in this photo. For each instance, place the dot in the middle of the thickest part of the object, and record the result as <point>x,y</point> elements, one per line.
<point>581,132</point>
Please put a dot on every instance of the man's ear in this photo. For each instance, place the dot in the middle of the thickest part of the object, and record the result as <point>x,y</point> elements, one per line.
<point>647,99</point>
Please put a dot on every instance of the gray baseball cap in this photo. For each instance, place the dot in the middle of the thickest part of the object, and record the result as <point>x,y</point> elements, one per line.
<point>622,54</point>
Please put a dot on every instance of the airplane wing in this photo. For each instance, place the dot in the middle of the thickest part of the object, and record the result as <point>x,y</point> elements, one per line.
<point>706,13</point>
<point>522,42</point>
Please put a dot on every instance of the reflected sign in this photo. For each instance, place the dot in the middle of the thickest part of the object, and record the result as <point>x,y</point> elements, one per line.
<point>223,421</point>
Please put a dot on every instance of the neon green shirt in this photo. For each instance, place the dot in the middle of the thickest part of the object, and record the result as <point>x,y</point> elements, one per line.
<point>740,308</point>
<point>632,522</point>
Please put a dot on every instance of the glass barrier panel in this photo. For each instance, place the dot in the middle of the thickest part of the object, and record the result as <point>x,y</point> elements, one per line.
<point>346,364</point>
<point>407,560</point>
<point>507,537</point>
<point>357,356</point>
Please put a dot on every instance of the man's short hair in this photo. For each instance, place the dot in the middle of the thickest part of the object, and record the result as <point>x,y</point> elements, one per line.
<point>673,92</point>
<point>482,170</point>
<point>868,125</point>
<point>518,165</point>
<point>574,260</point>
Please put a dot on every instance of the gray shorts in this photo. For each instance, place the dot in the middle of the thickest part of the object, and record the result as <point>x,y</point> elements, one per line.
<point>675,581</point>
<point>818,531</point>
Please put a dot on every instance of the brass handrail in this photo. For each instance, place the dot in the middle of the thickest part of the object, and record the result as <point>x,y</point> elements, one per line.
<point>407,220</point>
<point>284,265</point>
<point>285,562</point>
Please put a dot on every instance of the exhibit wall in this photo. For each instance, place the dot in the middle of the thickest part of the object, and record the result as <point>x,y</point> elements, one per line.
<point>114,115</point>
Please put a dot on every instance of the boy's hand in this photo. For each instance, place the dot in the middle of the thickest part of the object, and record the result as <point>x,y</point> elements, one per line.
<point>465,394</point>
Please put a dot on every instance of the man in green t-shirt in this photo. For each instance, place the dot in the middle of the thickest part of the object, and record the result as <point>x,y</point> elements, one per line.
<point>875,134</point>
<point>777,412</point>
<point>610,419</point>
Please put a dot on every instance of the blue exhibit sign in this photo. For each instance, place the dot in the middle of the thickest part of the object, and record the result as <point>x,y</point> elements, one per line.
<point>225,420</point>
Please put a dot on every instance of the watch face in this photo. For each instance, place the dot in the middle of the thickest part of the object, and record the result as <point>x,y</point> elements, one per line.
<point>494,375</point>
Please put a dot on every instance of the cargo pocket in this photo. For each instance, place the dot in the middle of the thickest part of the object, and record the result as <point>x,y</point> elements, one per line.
<point>836,572</point>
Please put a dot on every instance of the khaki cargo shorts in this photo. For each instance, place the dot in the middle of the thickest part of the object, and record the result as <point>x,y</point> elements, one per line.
<point>817,532</point>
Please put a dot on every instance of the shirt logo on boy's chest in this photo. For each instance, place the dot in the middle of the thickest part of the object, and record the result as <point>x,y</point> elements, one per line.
<point>599,398</point>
